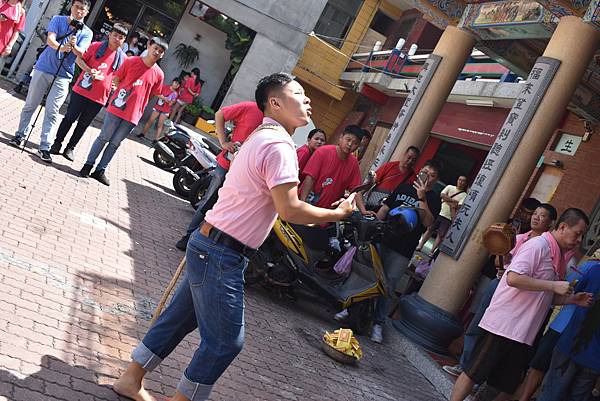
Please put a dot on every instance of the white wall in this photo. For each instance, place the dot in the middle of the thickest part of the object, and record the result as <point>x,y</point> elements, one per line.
<point>214,58</point>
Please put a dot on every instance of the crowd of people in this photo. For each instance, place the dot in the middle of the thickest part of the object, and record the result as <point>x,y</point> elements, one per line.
<point>505,342</point>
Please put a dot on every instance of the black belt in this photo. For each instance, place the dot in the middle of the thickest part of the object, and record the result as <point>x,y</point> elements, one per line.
<point>209,231</point>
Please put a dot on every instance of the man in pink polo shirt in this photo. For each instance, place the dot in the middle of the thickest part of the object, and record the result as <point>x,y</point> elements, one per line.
<point>246,116</point>
<point>534,280</point>
<point>262,183</point>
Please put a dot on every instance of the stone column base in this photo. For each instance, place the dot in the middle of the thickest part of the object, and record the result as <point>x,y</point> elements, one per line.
<point>426,324</point>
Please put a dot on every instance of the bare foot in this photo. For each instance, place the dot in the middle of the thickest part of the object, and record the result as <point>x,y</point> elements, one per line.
<point>131,390</point>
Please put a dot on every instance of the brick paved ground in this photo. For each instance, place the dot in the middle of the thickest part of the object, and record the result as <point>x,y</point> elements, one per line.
<point>83,265</point>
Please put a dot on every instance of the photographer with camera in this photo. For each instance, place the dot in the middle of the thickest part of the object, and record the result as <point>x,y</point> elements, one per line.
<point>68,38</point>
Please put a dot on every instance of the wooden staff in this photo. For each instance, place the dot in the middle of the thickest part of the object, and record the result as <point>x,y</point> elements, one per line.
<point>165,295</point>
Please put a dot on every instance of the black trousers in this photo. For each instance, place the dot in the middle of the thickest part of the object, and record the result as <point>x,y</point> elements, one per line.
<point>82,110</point>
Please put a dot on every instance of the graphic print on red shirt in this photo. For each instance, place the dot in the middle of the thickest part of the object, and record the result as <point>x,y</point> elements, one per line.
<point>97,91</point>
<point>138,83</point>
<point>246,116</point>
<point>169,93</point>
<point>332,176</point>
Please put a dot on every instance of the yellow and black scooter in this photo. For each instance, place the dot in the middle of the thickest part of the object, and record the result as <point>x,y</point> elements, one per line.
<point>286,260</point>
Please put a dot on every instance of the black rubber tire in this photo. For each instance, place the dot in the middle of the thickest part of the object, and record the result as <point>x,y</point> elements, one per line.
<point>360,316</point>
<point>198,189</point>
<point>183,182</point>
<point>161,160</point>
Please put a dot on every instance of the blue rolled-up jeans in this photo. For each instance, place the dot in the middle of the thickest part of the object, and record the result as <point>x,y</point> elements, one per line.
<point>210,297</point>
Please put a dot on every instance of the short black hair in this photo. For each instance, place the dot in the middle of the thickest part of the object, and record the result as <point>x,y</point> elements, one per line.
<point>134,35</point>
<point>160,42</point>
<point>176,80</point>
<point>130,53</point>
<point>354,130</point>
<point>86,3</point>
<point>120,28</point>
<point>572,216</point>
<point>551,209</point>
<point>314,131</point>
<point>434,164</point>
<point>530,203</point>
<point>267,85</point>
<point>367,133</point>
<point>413,149</point>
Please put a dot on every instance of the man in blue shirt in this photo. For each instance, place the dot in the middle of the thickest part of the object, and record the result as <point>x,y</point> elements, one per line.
<point>576,359</point>
<point>64,42</point>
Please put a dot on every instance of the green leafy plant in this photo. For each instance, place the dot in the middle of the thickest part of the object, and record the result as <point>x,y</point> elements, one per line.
<point>193,110</point>
<point>207,112</point>
<point>186,55</point>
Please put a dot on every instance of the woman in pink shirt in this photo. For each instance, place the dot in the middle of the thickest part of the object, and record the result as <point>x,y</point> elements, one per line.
<point>189,91</point>
<point>12,21</point>
<point>316,139</point>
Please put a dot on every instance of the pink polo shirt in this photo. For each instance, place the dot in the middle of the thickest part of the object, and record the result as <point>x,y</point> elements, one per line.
<point>245,209</point>
<point>519,314</point>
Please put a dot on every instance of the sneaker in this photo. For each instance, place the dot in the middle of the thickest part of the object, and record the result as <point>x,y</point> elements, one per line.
<point>16,142</point>
<point>454,370</point>
<point>44,155</point>
<point>101,177</point>
<point>377,334</point>
<point>342,315</point>
<point>69,155</point>
<point>182,243</point>
<point>85,170</point>
<point>55,150</point>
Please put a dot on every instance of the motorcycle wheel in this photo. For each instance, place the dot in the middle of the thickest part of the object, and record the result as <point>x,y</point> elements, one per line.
<point>183,182</point>
<point>198,189</point>
<point>162,160</point>
<point>360,316</point>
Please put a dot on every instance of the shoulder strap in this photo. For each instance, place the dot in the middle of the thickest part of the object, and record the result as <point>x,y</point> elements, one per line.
<point>458,193</point>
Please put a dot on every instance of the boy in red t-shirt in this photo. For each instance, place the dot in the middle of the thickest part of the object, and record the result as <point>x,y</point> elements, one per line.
<point>91,91</point>
<point>162,108</point>
<point>332,170</point>
<point>138,79</point>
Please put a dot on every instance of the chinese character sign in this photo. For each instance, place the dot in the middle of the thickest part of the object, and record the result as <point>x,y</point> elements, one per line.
<point>407,110</point>
<point>501,152</point>
<point>568,144</point>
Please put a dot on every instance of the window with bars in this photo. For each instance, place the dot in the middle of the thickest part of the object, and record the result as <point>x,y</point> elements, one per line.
<point>336,20</point>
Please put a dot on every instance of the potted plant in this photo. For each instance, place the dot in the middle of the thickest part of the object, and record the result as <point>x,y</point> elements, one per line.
<point>191,113</point>
<point>186,55</point>
<point>207,113</point>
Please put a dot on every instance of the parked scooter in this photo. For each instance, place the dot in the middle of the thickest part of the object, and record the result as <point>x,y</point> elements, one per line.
<point>170,152</point>
<point>285,261</point>
<point>185,177</point>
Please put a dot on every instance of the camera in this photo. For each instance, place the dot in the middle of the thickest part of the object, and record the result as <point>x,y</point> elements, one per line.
<point>78,25</point>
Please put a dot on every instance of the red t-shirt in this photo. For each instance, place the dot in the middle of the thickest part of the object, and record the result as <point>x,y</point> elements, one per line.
<point>184,94</point>
<point>15,21</point>
<point>332,175</point>
<point>97,91</point>
<point>165,106</point>
<point>138,83</point>
<point>389,176</point>
<point>303,153</point>
<point>246,116</point>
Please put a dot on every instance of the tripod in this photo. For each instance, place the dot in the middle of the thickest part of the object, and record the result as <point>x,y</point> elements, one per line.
<point>62,60</point>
